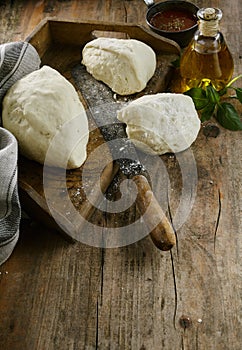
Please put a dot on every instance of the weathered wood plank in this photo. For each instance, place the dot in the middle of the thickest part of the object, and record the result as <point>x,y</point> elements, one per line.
<point>61,296</point>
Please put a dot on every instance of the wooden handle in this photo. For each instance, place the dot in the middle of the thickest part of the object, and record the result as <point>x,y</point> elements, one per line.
<point>162,234</point>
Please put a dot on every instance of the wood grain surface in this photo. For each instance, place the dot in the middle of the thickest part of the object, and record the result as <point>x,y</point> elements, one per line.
<point>57,295</point>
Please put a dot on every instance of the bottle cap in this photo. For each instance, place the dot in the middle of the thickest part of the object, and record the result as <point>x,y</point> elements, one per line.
<point>209,13</point>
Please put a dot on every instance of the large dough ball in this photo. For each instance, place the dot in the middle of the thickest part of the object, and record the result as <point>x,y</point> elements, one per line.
<point>36,107</point>
<point>125,65</point>
<point>161,123</point>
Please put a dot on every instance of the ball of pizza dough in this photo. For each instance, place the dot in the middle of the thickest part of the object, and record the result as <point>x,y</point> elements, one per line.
<point>125,65</point>
<point>161,123</point>
<point>44,113</point>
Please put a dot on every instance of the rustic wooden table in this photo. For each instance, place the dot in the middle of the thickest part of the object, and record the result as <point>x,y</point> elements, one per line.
<point>57,295</point>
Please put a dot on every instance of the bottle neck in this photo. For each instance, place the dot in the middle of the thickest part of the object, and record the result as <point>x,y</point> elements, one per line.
<point>209,21</point>
<point>209,28</point>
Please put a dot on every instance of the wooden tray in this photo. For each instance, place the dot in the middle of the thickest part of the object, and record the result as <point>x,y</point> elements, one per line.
<point>59,44</point>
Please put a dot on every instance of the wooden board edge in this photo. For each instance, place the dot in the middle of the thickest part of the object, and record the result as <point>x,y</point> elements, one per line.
<point>58,30</point>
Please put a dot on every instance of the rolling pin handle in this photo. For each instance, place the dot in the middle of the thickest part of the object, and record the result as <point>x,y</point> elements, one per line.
<point>162,235</point>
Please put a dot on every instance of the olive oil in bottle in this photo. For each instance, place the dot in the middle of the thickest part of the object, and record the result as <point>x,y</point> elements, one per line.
<point>207,59</point>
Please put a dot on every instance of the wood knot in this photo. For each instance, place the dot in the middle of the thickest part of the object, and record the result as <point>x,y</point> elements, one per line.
<point>211,130</point>
<point>185,322</point>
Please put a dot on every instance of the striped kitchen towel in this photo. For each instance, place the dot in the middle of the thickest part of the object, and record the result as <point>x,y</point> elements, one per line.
<point>9,202</point>
<point>17,59</point>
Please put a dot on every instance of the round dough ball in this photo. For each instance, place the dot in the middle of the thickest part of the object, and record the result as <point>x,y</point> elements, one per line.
<point>161,123</point>
<point>40,106</point>
<point>125,65</point>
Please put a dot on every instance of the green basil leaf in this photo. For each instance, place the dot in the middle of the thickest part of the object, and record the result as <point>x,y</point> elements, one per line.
<point>228,117</point>
<point>239,94</point>
<point>212,94</point>
<point>199,97</point>
<point>207,112</point>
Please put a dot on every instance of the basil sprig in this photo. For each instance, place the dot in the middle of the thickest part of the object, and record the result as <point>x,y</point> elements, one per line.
<point>210,103</point>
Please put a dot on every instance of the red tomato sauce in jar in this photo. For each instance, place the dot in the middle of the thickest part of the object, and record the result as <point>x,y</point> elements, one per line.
<point>173,20</point>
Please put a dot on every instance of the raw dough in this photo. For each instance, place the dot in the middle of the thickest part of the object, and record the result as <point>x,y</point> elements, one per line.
<point>125,65</point>
<point>161,123</point>
<point>35,109</point>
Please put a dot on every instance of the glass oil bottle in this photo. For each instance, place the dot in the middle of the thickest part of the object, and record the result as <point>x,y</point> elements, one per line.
<point>207,59</point>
